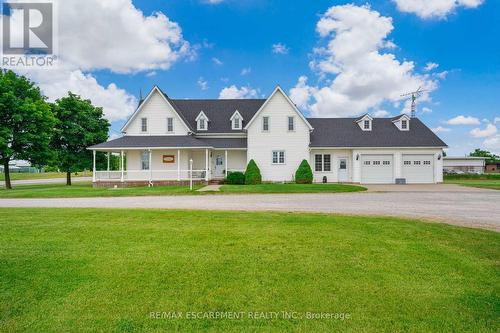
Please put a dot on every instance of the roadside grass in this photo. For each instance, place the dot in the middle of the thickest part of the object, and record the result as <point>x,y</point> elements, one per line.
<point>291,188</point>
<point>43,175</point>
<point>85,270</point>
<point>487,180</point>
<point>85,189</point>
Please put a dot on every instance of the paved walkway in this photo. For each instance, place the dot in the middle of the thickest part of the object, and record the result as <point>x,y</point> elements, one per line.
<point>47,181</point>
<point>452,204</point>
<point>210,188</point>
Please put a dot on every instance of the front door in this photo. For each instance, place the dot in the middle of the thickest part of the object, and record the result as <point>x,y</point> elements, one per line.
<point>219,166</point>
<point>343,174</point>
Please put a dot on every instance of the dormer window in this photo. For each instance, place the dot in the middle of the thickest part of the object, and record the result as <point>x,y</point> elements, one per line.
<point>202,122</point>
<point>236,121</point>
<point>402,122</point>
<point>365,122</point>
<point>144,125</point>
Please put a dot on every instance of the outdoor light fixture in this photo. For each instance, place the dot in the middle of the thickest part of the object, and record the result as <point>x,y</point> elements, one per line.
<point>439,157</point>
<point>357,157</point>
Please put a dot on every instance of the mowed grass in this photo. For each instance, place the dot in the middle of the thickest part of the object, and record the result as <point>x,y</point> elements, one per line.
<point>85,189</point>
<point>481,183</point>
<point>44,175</point>
<point>291,188</point>
<point>82,270</point>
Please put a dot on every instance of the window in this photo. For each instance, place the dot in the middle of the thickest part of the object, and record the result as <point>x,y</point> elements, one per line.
<point>427,162</point>
<point>145,160</point>
<point>170,125</point>
<point>202,124</point>
<point>407,162</point>
<point>291,123</point>
<point>327,166</point>
<point>278,157</point>
<point>366,125</point>
<point>376,162</point>
<point>343,165</point>
<point>386,163</point>
<point>265,124</point>
<point>404,124</point>
<point>236,123</point>
<point>144,124</point>
<point>416,162</point>
<point>318,162</point>
<point>366,162</point>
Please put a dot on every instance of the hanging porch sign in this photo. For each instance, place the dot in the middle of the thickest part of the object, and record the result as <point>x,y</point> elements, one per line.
<point>168,158</point>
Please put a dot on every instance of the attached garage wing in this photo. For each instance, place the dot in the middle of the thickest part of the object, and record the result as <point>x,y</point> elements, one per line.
<point>418,168</point>
<point>377,169</point>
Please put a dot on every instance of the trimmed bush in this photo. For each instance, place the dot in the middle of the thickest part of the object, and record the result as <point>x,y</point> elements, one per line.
<point>252,174</point>
<point>304,174</point>
<point>235,178</point>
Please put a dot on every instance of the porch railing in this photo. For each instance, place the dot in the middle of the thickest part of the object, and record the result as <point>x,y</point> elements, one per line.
<point>147,175</point>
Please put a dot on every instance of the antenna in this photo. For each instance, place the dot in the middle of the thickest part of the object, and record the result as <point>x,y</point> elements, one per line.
<point>414,95</point>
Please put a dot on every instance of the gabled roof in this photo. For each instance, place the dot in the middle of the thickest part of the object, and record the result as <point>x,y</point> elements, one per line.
<point>403,115</point>
<point>344,132</point>
<point>366,115</point>
<point>236,113</point>
<point>278,89</point>
<point>170,141</point>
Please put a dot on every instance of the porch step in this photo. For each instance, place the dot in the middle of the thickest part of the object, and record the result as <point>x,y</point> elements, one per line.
<point>215,182</point>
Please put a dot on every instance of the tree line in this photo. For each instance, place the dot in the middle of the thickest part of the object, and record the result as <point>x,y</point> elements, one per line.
<point>44,133</point>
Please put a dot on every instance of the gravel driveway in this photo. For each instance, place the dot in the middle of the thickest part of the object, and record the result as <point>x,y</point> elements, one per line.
<point>479,208</point>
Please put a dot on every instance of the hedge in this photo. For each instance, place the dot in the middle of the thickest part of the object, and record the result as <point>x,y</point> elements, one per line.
<point>252,174</point>
<point>235,178</point>
<point>304,174</point>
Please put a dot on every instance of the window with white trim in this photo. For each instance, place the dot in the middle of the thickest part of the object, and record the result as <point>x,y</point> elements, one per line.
<point>145,160</point>
<point>404,124</point>
<point>366,162</point>
<point>144,124</point>
<point>202,124</point>
<point>407,162</point>
<point>323,162</point>
<point>236,123</point>
<point>366,124</point>
<point>291,124</point>
<point>170,125</point>
<point>265,124</point>
<point>278,157</point>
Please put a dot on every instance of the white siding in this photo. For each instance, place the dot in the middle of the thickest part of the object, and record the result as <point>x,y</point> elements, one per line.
<point>156,109</point>
<point>294,143</point>
<point>332,176</point>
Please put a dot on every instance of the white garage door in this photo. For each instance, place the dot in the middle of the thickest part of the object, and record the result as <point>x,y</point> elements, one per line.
<point>377,169</point>
<point>418,168</point>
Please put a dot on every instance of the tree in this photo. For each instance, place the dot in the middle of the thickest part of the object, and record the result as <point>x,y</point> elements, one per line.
<point>79,125</point>
<point>252,174</point>
<point>304,174</point>
<point>490,157</point>
<point>26,122</point>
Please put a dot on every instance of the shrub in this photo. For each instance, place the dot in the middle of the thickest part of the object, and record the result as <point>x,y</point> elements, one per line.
<point>252,174</point>
<point>235,178</point>
<point>304,174</point>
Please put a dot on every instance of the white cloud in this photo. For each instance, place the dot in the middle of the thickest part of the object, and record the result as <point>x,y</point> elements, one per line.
<point>493,144</point>
<point>108,35</point>
<point>497,120</point>
<point>234,92</point>
<point>441,75</point>
<point>217,61</point>
<point>381,114</point>
<point>246,71</point>
<point>364,76</point>
<point>440,129</point>
<point>202,83</point>
<point>151,74</point>
<point>434,8</point>
<point>213,2</point>
<point>426,110</point>
<point>301,93</point>
<point>463,120</point>
<point>280,48</point>
<point>430,66</point>
<point>489,130</point>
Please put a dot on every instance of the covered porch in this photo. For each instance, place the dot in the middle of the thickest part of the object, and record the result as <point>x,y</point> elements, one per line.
<point>140,166</point>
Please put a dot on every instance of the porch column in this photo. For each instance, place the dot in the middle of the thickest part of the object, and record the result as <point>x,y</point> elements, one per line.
<point>178,165</point>
<point>121,166</point>
<point>206,164</point>
<point>108,161</point>
<point>93,167</point>
<point>226,161</point>
<point>150,165</point>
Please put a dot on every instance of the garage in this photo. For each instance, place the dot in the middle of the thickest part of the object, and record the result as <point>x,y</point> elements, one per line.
<point>418,168</point>
<point>377,169</point>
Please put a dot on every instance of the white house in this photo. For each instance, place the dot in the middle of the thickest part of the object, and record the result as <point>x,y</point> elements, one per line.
<point>467,164</point>
<point>221,136</point>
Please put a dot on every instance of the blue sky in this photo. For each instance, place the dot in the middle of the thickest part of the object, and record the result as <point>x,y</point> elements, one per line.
<point>230,42</point>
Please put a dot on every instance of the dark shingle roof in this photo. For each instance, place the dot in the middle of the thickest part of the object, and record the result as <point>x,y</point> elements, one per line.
<point>218,111</point>
<point>345,132</point>
<point>167,141</point>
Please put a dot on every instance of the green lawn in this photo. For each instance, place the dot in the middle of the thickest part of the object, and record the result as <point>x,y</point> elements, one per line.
<point>86,190</point>
<point>291,188</point>
<point>44,175</point>
<point>76,270</point>
<point>491,184</point>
